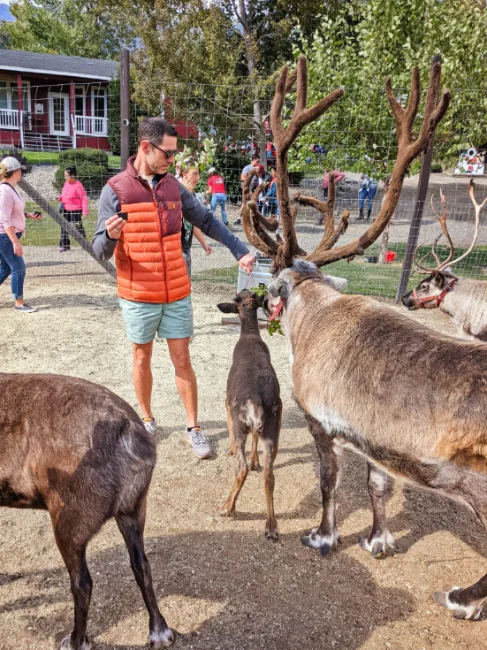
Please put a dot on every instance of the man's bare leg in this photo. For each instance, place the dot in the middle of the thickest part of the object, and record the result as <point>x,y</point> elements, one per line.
<point>142,376</point>
<point>185,378</point>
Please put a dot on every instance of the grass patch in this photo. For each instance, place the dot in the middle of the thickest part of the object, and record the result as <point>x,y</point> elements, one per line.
<point>52,158</point>
<point>227,275</point>
<point>46,232</point>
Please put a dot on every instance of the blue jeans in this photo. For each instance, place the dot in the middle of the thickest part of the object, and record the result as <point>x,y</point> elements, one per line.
<point>10,263</point>
<point>362,195</point>
<point>219,199</point>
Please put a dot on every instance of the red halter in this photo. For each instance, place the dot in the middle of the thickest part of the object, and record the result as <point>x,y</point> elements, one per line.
<point>439,299</point>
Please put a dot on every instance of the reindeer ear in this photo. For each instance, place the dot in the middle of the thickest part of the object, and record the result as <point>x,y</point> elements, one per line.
<point>439,280</point>
<point>228,307</point>
<point>339,284</point>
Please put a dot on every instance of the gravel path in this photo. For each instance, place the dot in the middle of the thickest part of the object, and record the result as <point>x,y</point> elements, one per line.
<point>219,583</point>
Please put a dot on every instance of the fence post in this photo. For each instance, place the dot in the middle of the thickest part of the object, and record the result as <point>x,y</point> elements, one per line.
<point>423,184</point>
<point>66,225</point>
<point>124,107</point>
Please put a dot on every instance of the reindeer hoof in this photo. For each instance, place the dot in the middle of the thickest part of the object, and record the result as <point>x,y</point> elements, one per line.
<point>380,546</point>
<point>324,543</point>
<point>162,639</point>
<point>67,645</point>
<point>471,611</point>
<point>272,534</point>
<point>227,510</point>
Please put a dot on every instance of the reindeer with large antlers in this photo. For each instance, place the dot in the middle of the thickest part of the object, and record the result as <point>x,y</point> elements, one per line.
<point>464,300</point>
<point>368,378</point>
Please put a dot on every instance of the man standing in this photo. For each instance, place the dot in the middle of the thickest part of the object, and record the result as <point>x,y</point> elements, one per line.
<point>153,283</point>
<point>216,187</point>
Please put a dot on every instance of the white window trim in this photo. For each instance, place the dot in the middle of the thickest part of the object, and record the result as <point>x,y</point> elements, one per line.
<point>83,88</point>
<point>105,95</point>
<point>9,83</point>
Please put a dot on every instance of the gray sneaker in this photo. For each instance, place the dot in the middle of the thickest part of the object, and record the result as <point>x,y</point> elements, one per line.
<point>199,442</point>
<point>150,425</point>
<point>25,308</point>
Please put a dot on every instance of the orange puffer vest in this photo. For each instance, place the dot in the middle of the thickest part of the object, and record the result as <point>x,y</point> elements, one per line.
<point>150,263</point>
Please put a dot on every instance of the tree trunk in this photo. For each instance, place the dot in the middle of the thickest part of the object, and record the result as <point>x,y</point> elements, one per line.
<point>384,244</point>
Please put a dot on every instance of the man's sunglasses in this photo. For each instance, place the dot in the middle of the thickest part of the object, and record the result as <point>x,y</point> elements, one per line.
<point>168,154</point>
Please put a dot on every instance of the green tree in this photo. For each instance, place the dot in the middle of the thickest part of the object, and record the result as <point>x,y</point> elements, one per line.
<point>365,43</point>
<point>66,27</point>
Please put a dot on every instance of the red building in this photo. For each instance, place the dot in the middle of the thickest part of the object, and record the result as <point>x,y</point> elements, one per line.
<point>51,102</point>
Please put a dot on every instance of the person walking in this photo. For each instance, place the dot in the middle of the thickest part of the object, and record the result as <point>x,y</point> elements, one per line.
<point>190,179</point>
<point>362,194</point>
<point>74,202</point>
<point>12,227</point>
<point>153,283</point>
<point>216,188</point>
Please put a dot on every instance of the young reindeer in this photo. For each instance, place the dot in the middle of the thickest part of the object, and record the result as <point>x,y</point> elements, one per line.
<point>464,300</point>
<point>80,452</point>
<point>369,379</point>
<point>253,404</point>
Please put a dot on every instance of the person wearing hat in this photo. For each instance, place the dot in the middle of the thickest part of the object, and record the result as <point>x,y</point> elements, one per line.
<point>216,187</point>
<point>12,226</point>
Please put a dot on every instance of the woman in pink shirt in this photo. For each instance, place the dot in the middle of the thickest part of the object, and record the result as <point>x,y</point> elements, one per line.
<point>74,206</point>
<point>12,227</point>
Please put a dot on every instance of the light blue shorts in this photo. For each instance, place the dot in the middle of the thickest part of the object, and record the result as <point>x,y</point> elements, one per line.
<point>172,320</point>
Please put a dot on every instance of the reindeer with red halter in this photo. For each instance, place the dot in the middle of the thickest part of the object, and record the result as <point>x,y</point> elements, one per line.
<point>464,300</point>
<point>357,365</point>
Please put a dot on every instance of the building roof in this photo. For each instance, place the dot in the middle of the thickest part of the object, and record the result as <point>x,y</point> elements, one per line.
<point>57,65</point>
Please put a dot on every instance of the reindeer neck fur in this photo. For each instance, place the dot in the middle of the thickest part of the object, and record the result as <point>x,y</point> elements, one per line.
<point>466,304</point>
<point>249,324</point>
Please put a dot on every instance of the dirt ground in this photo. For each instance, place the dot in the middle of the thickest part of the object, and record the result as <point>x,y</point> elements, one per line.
<point>220,584</point>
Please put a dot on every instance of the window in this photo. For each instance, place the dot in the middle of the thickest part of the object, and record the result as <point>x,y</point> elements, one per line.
<point>99,102</point>
<point>9,96</point>
<point>79,100</point>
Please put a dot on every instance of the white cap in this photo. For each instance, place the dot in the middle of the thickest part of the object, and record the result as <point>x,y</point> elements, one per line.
<point>211,170</point>
<point>11,164</point>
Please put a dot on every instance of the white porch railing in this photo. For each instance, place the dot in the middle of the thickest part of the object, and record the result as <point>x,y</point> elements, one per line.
<point>85,125</point>
<point>9,119</point>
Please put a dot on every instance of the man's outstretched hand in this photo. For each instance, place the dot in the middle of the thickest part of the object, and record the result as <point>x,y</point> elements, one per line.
<point>247,262</point>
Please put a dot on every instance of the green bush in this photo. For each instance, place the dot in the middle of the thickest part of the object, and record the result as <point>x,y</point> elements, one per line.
<point>91,166</point>
<point>17,153</point>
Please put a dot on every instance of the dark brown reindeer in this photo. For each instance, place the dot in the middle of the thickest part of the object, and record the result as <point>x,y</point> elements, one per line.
<point>464,300</point>
<point>369,379</point>
<point>253,404</point>
<point>77,450</point>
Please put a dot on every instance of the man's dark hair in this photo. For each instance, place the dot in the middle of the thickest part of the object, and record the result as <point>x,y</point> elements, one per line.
<point>255,157</point>
<point>154,129</point>
<point>71,171</point>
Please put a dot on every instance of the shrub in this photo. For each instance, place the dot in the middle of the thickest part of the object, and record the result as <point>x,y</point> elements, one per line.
<point>436,168</point>
<point>17,153</point>
<point>91,166</point>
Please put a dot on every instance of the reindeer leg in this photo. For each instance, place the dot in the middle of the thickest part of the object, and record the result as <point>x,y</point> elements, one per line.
<point>72,541</point>
<point>465,603</point>
<point>231,437</point>
<point>270,446</point>
<point>380,543</point>
<point>241,471</point>
<point>254,456</point>
<point>131,526</point>
<point>326,536</point>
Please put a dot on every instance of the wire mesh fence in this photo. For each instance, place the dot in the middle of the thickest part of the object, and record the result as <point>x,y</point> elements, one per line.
<point>235,123</point>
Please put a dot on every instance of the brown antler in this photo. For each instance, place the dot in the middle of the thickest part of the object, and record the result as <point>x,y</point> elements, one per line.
<point>408,149</point>
<point>283,139</point>
<point>444,231</point>
<point>477,209</point>
<point>330,236</point>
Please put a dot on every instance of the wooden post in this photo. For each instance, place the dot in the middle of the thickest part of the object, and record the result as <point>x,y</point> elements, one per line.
<point>20,106</point>
<point>72,121</point>
<point>66,225</point>
<point>424,177</point>
<point>124,107</point>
